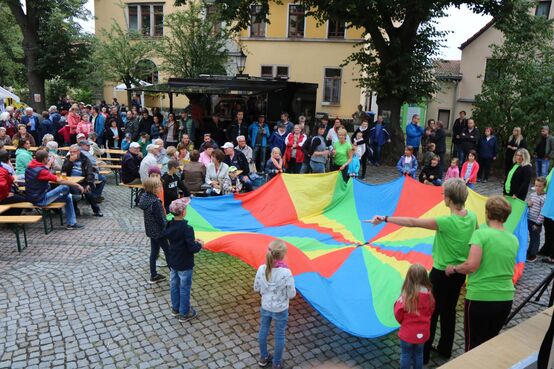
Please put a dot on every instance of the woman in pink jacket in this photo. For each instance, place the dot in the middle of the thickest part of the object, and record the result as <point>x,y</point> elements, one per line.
<point>84,126</point>
<point>73,119</point>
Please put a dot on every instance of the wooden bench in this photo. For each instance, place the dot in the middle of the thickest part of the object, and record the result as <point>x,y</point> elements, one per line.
<point>110,159</point>
<point>115,168</point>
<point>135,189</point>
<point>17,223</point>
<point>45,212</point>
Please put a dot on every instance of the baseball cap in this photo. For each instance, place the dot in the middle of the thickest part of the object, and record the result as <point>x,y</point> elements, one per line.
<point>227,145</point>
<point>81,135</point>
<point>178,206</point>
<point>233,169</point>
<point>280,124</point>
<point>134,145</point>
<point>83,142</point>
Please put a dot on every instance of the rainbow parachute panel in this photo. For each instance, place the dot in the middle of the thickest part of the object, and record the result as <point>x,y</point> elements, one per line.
<point>349,271</point>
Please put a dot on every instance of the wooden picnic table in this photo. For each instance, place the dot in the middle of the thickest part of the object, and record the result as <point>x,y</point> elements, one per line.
<point>3,208</point>
<point>115,151</point>
<point>13,148</point>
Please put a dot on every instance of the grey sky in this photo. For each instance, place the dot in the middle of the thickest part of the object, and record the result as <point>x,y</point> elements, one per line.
<point>462,22</point>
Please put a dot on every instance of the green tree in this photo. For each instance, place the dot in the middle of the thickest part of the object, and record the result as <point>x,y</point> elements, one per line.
<point>401,41</point>
<point>196,44</point>
<point>52,41</point>
<point>12,70</point>
<point>121,54</point>
<point>519,80</point>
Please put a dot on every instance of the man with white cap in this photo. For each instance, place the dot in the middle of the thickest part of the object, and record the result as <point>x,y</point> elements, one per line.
<point>130,165</point>
<point>150,160</point>
<point>236,158</point>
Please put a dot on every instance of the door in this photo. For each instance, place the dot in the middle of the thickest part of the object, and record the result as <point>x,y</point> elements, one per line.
<point>444,117</point>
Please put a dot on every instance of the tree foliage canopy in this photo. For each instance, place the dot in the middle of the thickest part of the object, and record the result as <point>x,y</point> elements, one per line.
<point>519,86</point>
<point>120,54</point>
<point>45,39</point>
<point>196,44</point>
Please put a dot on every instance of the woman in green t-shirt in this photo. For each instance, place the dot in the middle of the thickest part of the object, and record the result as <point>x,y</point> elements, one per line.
<point>342,153</point>
<point>450,246</point>
<point>490,269</point>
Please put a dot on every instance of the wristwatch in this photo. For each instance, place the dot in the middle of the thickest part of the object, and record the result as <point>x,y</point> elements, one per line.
<point>386,218</point>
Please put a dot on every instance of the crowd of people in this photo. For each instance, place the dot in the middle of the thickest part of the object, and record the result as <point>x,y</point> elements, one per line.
<point>175,157</point>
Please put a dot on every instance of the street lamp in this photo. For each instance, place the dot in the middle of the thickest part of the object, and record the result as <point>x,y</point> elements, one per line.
<point>241,62</point>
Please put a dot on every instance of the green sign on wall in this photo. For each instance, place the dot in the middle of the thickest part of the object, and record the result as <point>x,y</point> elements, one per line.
<point>409,110</point>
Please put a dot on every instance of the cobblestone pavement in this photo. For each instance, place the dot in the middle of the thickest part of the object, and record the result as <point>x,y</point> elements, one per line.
<point>80,299</point>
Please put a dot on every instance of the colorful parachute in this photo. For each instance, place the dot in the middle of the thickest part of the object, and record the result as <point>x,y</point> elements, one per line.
<point>349,271</point>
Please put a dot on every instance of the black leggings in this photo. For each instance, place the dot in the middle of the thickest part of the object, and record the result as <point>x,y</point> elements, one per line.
<point>548,247</point>
<point>483,320</point>
<point>484,168</point>
<point>446,291</point>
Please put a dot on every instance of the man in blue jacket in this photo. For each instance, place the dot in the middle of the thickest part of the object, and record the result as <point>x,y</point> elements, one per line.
<point>258,135</point>
<point>98,122</point>
<point>413,133</point>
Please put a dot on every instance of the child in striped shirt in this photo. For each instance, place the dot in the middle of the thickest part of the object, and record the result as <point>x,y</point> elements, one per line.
<point>535,219</point>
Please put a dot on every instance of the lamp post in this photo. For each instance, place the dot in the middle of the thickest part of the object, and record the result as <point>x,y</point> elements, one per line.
<point>241,63</point>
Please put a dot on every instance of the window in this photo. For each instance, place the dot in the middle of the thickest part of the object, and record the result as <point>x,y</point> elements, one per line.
<point>148,19</point>
<point>282,72</point>
<point>493,70</point>
<point>274,71</point>
<point>336,29</point>
<point>296,20</point>
<point>543,8</point>
<point>211,12</point>
<point>331,85</point>
<point>257,25</point>
<point>267,71</point>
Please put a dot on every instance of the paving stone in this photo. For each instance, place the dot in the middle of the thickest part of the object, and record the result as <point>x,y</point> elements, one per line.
<point>92,305</point>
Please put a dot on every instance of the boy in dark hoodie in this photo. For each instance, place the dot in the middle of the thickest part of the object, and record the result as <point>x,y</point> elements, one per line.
<point>154,223</point>
<point>172,183</point>
<point>180,258</point>
<point>431,174</point>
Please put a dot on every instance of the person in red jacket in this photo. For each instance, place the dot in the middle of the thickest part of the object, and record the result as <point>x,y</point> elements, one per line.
<point>413,310</point>
<point>470,169</point>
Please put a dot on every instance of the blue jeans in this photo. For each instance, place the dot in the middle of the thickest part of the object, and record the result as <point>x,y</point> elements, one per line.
<point>155,245</point>
<point>258,157</point>
<point>61,193</point>
<point>305,167</point>
<point>246,183</point>
<point>542,167</point>
<point>97,192</point>
<point>411,355</point>
<point>180,282</point>
<point>317,167</point>
<point>534,238</point>
<point>437,182</point>
<point>376,159</point>
<point>281,319</point>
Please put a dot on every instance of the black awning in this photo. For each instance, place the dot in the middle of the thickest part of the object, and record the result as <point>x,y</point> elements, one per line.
<point>222,85</point>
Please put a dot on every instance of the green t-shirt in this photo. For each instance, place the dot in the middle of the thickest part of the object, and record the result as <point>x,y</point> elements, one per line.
<point>451,245</point>
<point>493,280</point>
<point>341,152</point>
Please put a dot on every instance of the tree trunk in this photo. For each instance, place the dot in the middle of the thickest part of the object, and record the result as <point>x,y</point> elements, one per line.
<point>390,106</point>
<point>35,81</point>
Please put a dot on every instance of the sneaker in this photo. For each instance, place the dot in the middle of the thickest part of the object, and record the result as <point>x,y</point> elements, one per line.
<point>485,180</point>
<point>174,312</point>
<point>157,278</point>
<point>548,260</point>
<point>531,259</point>
<point>99,215</point>
<point>190,315</point>
<point>75,226</point>
<point>278,366</point>
<point>263,362</point>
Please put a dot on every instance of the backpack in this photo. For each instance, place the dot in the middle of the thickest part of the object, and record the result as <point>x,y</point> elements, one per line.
<point>307,147</point>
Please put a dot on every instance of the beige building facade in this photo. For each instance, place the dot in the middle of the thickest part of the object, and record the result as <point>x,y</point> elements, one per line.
<point>459,93</point>
<point>291,46</point>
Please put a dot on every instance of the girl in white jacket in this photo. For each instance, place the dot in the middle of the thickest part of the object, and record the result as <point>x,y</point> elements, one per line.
<point>275,283</point>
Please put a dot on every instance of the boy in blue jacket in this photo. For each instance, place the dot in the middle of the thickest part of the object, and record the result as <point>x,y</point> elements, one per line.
<point>180,259</point>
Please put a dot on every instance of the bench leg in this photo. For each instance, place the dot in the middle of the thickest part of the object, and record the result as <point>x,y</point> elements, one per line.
<point>46,217</point>
<point>15,229</point>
